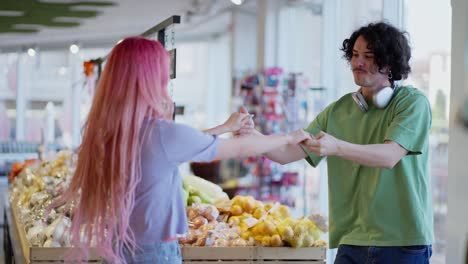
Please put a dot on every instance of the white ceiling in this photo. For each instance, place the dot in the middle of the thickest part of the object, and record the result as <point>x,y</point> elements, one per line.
<point>128,18</point>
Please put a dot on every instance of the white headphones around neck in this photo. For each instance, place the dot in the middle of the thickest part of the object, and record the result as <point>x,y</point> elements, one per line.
<point>380,99</point>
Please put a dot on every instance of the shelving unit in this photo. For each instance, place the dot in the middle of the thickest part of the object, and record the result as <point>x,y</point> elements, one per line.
<point>279,103</point>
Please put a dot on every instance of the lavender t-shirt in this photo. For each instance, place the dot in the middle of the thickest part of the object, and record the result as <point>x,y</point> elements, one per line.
<point>159,212</point>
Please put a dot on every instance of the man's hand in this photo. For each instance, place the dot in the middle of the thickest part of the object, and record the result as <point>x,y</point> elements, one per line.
<point>384,155</point>
<point>323,144</point>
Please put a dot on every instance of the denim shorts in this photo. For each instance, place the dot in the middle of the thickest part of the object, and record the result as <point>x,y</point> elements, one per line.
<point>348,254</point>
<point>157,253</point>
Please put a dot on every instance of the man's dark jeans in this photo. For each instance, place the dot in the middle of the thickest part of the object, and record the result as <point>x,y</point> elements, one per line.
<point>348,254</point>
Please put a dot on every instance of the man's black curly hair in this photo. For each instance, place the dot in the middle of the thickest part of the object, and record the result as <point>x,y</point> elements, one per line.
<point>389,45</point>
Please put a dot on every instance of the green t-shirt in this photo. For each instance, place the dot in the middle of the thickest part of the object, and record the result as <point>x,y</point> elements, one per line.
<point>378,206</point>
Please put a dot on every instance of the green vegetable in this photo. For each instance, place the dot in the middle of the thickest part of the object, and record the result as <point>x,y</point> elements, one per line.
<point>194,200</point>
<point>186,196</point>
<point>208,191</point>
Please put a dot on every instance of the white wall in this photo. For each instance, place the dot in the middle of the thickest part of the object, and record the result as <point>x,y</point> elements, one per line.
<point>48,76</point>
<point>458,142</point>
<point>218,99</point>
<point>8,75</point>
<point>203,83</point>
<point>190,86</point>
<point>244,42</point>
<point>300,46</point>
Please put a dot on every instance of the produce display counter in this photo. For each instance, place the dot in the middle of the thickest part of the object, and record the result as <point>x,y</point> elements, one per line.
<point>11,242</point>
<point>240,230</point>
<point>20,251</point>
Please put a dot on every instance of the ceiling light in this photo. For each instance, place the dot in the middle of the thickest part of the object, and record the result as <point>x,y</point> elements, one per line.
<point>66,19</point>
<point>27,27</point>
<point>74,49</point>
<point>11,13</point>
<point>237,2</point>
<point>62,71</point>
<point>31,52</point>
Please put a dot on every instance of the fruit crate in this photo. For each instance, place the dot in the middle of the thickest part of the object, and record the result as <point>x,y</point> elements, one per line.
<point>43,255</point>
<point>245,255</point>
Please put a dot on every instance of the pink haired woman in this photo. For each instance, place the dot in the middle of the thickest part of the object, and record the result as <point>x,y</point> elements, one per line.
<point>127,189</point>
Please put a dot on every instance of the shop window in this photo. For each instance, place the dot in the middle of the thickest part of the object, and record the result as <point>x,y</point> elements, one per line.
<point>7,95</point>
<point>431,74</point>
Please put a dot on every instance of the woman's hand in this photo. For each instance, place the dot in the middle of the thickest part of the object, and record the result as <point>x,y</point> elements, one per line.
<point>237,121</point>
<point>298,136</point>
<point>248,126</point>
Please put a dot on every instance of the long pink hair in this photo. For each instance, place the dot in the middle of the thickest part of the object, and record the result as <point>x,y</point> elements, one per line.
<point>133,86</point>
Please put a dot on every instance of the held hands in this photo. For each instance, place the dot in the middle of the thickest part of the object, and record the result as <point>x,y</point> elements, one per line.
<point>298,136</point>
<point>237,121</point>
<point>323,144</point>
<point>248,126</point>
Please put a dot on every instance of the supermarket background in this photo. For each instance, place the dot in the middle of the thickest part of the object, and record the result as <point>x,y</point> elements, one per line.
<point>222,47</point>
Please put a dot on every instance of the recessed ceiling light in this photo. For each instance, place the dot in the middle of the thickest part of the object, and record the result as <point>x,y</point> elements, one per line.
<point>26,26</point>
<point>31,52</point>
<point>10,13</point>
<point>74,48</point>
<point>54,1</point>
<point>66,19</point>
<point>237,2</point>
<point>62,71</point>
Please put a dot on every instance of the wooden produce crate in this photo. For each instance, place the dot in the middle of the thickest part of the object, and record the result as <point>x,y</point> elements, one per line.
<point>245,255</point>
<point>42,255</point>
